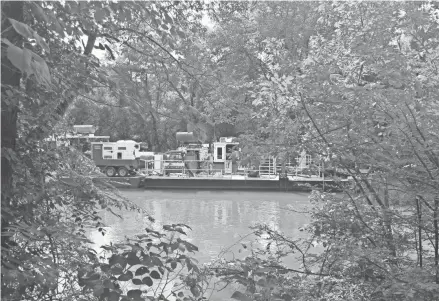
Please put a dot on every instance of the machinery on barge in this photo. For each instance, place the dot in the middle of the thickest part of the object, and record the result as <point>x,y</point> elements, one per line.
<point>224,158</point>
<point>117,158</point>
<point>193,158</point>
<point>196,165</point>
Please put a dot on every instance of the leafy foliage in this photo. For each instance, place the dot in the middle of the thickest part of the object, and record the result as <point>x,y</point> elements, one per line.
<point>354,84</point>
<point>53,197</point>
<point>352,94</point>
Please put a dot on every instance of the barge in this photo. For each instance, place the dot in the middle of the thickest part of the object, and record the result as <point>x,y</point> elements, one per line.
<point>283,184</point>
<point>194,165</point>
<point>219,166</point>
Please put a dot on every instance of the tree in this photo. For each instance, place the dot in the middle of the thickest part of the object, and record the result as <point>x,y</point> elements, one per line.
<point>355,97</point>
<point>50,198</point>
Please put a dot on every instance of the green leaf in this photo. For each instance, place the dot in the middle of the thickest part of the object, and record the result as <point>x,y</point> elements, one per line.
<point>98,290</point>
<point>181,34</point>
<point>168,19</point>
<point>28,33</point>
<point>173,265</point>
<point>141,271</point>
<point>16,56</point>
<point>156,261</point>
<point>59,29</point>
<point>142,236</point>
<point>134,294</point>
<point>128,15</point>
<point>125,277</point>
<point>195,291</point>
<point>117,270</point>
<point>117,259</point>
<point>100,14</point>
<point>114,296</point>
<point>146,260</point>
<point>240,296</point>
<point>262,282</point>
<point>38,12</point>
<point>190,247</point>
<point>107,248</point>
<point>108,283</point>
<point>180,230</point>
<point>22,29</point>
<point>136,281</point>
<point>155,275</point>
<point>132,259</point>
<point>72,7</point>
<point>147,281</point>
<point>40,69</point>
<point>92,277</point>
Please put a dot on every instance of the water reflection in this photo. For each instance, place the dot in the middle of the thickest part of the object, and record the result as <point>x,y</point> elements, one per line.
<point>218,219</point>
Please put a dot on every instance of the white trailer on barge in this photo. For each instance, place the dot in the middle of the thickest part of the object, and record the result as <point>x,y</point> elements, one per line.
<point>117,158</point>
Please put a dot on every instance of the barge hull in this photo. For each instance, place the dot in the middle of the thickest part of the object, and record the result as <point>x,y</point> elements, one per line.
<point>256,184</point>
<point>248,184</point>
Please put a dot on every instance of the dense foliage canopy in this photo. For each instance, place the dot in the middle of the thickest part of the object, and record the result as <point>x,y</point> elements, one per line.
<point>353,83</point>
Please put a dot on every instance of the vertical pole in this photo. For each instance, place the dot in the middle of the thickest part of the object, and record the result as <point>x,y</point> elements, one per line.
<point>297,163</point>
<point>418,209</point>
<point>436,237</point>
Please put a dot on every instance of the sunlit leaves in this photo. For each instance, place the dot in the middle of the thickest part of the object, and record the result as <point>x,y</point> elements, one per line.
<point>28,33</point>
<point>135,262</point>
<point>54,187</point>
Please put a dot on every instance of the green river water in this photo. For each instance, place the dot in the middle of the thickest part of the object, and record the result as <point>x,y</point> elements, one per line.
<point>219,219</point>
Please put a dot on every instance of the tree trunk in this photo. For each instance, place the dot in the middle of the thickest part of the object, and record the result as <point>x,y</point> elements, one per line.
<point>155,137</point>
<point>419,212</point>
<point>10,77</point>
<point>90,44</point>
<point>387,216</point>
<point>436,237</point>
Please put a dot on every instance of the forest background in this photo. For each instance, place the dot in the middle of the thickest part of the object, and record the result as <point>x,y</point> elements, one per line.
<point>352,82</point>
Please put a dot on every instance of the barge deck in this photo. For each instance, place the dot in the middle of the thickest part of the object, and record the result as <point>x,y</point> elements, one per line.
<point>289,183</point>
<point>240,183</point>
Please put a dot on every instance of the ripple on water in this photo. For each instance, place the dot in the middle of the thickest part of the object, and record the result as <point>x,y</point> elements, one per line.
<point>219,219</point>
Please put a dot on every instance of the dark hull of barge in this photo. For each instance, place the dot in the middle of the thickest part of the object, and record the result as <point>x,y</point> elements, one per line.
<point>247,184</point>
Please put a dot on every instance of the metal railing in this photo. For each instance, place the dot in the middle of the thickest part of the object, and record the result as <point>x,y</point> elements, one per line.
<point>183,168</point>
<point>206,169</point>
<point>270,167</point>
